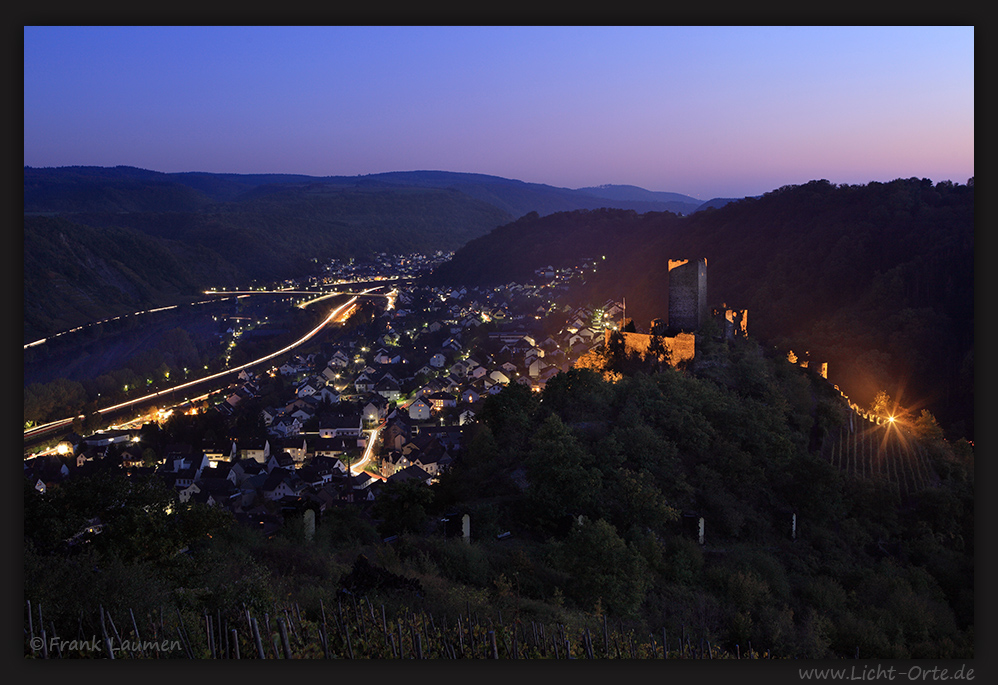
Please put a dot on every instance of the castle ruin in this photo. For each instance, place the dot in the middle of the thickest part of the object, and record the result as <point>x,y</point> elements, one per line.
<point>733,322</point>
<point>687,295</point>
<point>676,339</point>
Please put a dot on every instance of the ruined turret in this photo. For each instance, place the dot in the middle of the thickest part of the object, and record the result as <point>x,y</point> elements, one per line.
<point>687,294</point>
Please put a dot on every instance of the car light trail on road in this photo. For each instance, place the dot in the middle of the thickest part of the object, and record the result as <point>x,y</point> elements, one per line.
<point>338,314</point>
<point>359,466</point>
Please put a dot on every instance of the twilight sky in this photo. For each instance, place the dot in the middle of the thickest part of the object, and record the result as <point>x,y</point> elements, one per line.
<point>705,111</point>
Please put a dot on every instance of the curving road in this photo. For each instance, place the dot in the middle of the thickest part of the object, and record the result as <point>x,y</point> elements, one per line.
<point>339,314</point>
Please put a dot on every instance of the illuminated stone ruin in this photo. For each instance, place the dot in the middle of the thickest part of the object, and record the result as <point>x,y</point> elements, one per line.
<point>733,322</point>
<point>821,368</point>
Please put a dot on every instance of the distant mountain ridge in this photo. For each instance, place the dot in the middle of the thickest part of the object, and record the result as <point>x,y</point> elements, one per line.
<point>629,192</point>
<point>62,189</point>
<point>244,227</point>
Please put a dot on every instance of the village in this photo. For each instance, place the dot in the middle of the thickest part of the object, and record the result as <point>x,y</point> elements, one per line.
<point>385,401</point>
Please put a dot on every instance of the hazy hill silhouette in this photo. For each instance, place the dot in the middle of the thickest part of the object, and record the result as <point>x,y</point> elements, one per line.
<point>876,279</point>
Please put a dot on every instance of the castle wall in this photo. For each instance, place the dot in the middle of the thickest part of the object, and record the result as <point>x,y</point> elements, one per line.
<point>681,347</point>
<point>687,294</point>
<point>821,368</point>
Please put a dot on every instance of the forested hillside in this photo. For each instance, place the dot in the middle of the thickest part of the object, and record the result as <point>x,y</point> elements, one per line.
<point>583,501</point>
<point>105,249</point>
<point>146,237</point>
<point>878,280</point>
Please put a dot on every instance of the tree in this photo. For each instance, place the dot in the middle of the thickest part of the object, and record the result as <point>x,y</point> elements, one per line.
<point>635,501</point>
<point>882,404</point>
<point>150,457</point>
<point>604,569</point>
<point>401,506</point>
<point>659,355</point>
<point>926,427</point>
<point>562,474</point>
<point>509,414</point>
<point>577,394</point>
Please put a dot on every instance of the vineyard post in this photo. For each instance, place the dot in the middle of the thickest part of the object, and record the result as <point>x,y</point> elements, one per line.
<point>31,627</point>
<point>284,637</point>
<point>235,641</point>
<point>107,640</point>
<point>423,623</point>
<point>223,647</point>
<point>259,642</point>
<point>325,630</point>
<point>356,613</point>
<point>384,629</point>
<point>184,643</point>
<point>208,635</point>
<point>288,623</point>
<point>302,628</point>
<point>135,627</point>
<point>58,647</point>
<point>182,629</point>
<point>110,620</point>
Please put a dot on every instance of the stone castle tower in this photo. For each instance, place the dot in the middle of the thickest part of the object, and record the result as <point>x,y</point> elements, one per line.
<point>687,294</point>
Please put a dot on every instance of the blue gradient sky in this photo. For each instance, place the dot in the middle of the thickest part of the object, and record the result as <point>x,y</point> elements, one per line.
<point>704,111</point>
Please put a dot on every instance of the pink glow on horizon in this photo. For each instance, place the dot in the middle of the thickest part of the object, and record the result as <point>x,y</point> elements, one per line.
<point>704,111</point>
